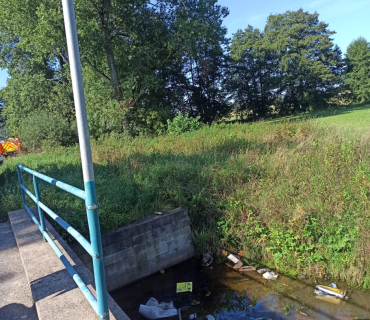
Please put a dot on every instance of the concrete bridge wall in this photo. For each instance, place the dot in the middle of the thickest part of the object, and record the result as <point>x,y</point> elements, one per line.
<point>142,248</point>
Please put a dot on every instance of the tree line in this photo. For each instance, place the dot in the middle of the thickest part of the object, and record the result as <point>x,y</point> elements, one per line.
<point>144,62</point>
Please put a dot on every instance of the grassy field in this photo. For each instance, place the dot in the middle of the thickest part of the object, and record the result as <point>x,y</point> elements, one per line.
<point>351,118</point>
<point>293,193</point>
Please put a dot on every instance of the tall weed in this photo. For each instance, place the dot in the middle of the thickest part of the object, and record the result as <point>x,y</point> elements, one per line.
<point>295,194</point>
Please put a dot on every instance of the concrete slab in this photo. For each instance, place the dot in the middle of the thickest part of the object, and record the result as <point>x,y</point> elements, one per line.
<point>54,292</point>
<point>15,295</point>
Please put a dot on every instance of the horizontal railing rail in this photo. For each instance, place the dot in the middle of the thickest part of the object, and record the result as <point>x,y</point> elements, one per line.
<point>66,226</point>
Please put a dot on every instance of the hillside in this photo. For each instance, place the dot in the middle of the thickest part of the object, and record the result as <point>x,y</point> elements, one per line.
<point>292,193</point>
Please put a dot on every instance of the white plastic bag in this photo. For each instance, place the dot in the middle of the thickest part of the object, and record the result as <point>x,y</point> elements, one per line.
<point>264,270</point>
<point>154,310</point>
<point>270,275</point>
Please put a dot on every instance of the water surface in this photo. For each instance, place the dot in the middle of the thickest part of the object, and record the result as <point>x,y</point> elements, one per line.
<point>227,294</point>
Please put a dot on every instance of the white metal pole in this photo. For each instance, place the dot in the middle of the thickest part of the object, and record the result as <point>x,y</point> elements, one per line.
<point>86,158</point>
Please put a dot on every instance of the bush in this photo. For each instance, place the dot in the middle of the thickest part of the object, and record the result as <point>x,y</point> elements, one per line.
<point>183,123</point>
<point>143,122</point>
<point>45,129</point>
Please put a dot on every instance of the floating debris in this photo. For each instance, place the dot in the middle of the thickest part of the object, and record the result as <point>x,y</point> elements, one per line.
<point>329,291</point>
<point>241,254</point>
<point>207,259</point>
<point>329,294</point>
<point>184,287</point>
<point>264,270</point>
<point>155,310</point>
<point>247,269</point>
<point>270,275</point>
<point>234,262</point>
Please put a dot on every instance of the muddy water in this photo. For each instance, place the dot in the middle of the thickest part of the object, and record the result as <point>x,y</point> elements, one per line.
<point>227,294</point>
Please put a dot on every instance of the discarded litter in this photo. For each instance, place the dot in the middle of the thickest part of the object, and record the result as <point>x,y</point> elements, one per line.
<point>241,254</point>
<point>193,316</point>
<point>329,294</point>
<point>270,275</point>
<point>333,285</point>
<point>184,287</point>
<point>247,269</point>
<point>224,253</point>
<point>329,291</point>
<point>235,262</point>
<point>161,271</point>
<point>195,302</point>
<point>182,308</point>
<point>233,258</point>
<point>330,299</point>
<point>155,310</point>
<point>207,259</point>
<point>264,270</point>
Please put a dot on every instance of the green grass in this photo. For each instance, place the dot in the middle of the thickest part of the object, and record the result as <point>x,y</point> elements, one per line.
<point>353,117</point>
<point>294,194</point>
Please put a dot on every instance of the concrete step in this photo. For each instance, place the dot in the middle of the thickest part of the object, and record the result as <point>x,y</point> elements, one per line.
<point>54,292</point>
<point>15,295</point>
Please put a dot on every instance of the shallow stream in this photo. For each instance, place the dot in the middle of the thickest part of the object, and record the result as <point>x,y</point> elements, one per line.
<point>227,294</point>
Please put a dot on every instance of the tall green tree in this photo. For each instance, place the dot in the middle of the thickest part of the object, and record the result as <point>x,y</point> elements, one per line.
<point>292,65</point>
<point>310,65</point>
<point>127,49</point>
<point>358,68</point>
<point>254,73</point>
<point>196,82</point>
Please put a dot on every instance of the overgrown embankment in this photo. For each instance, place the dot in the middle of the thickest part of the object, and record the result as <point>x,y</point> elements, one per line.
<point>295,194</point>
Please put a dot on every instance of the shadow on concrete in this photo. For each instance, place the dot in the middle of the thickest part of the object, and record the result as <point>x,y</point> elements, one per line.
<point>16,311</point>
<point>6,276</point>
<point>7,240</point>
<point>28,233</point>
<point>52,285</point>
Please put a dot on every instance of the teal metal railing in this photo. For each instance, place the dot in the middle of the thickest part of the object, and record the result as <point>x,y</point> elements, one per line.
<point>99,304</point>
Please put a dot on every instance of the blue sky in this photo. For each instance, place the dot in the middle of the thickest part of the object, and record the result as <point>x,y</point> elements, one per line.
<point>349,18</point>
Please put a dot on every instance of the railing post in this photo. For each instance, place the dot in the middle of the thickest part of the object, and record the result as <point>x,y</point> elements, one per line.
<point>21,184</point>
<point>95,239</point>
<point>86,158</point>
<point>38,198</point>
